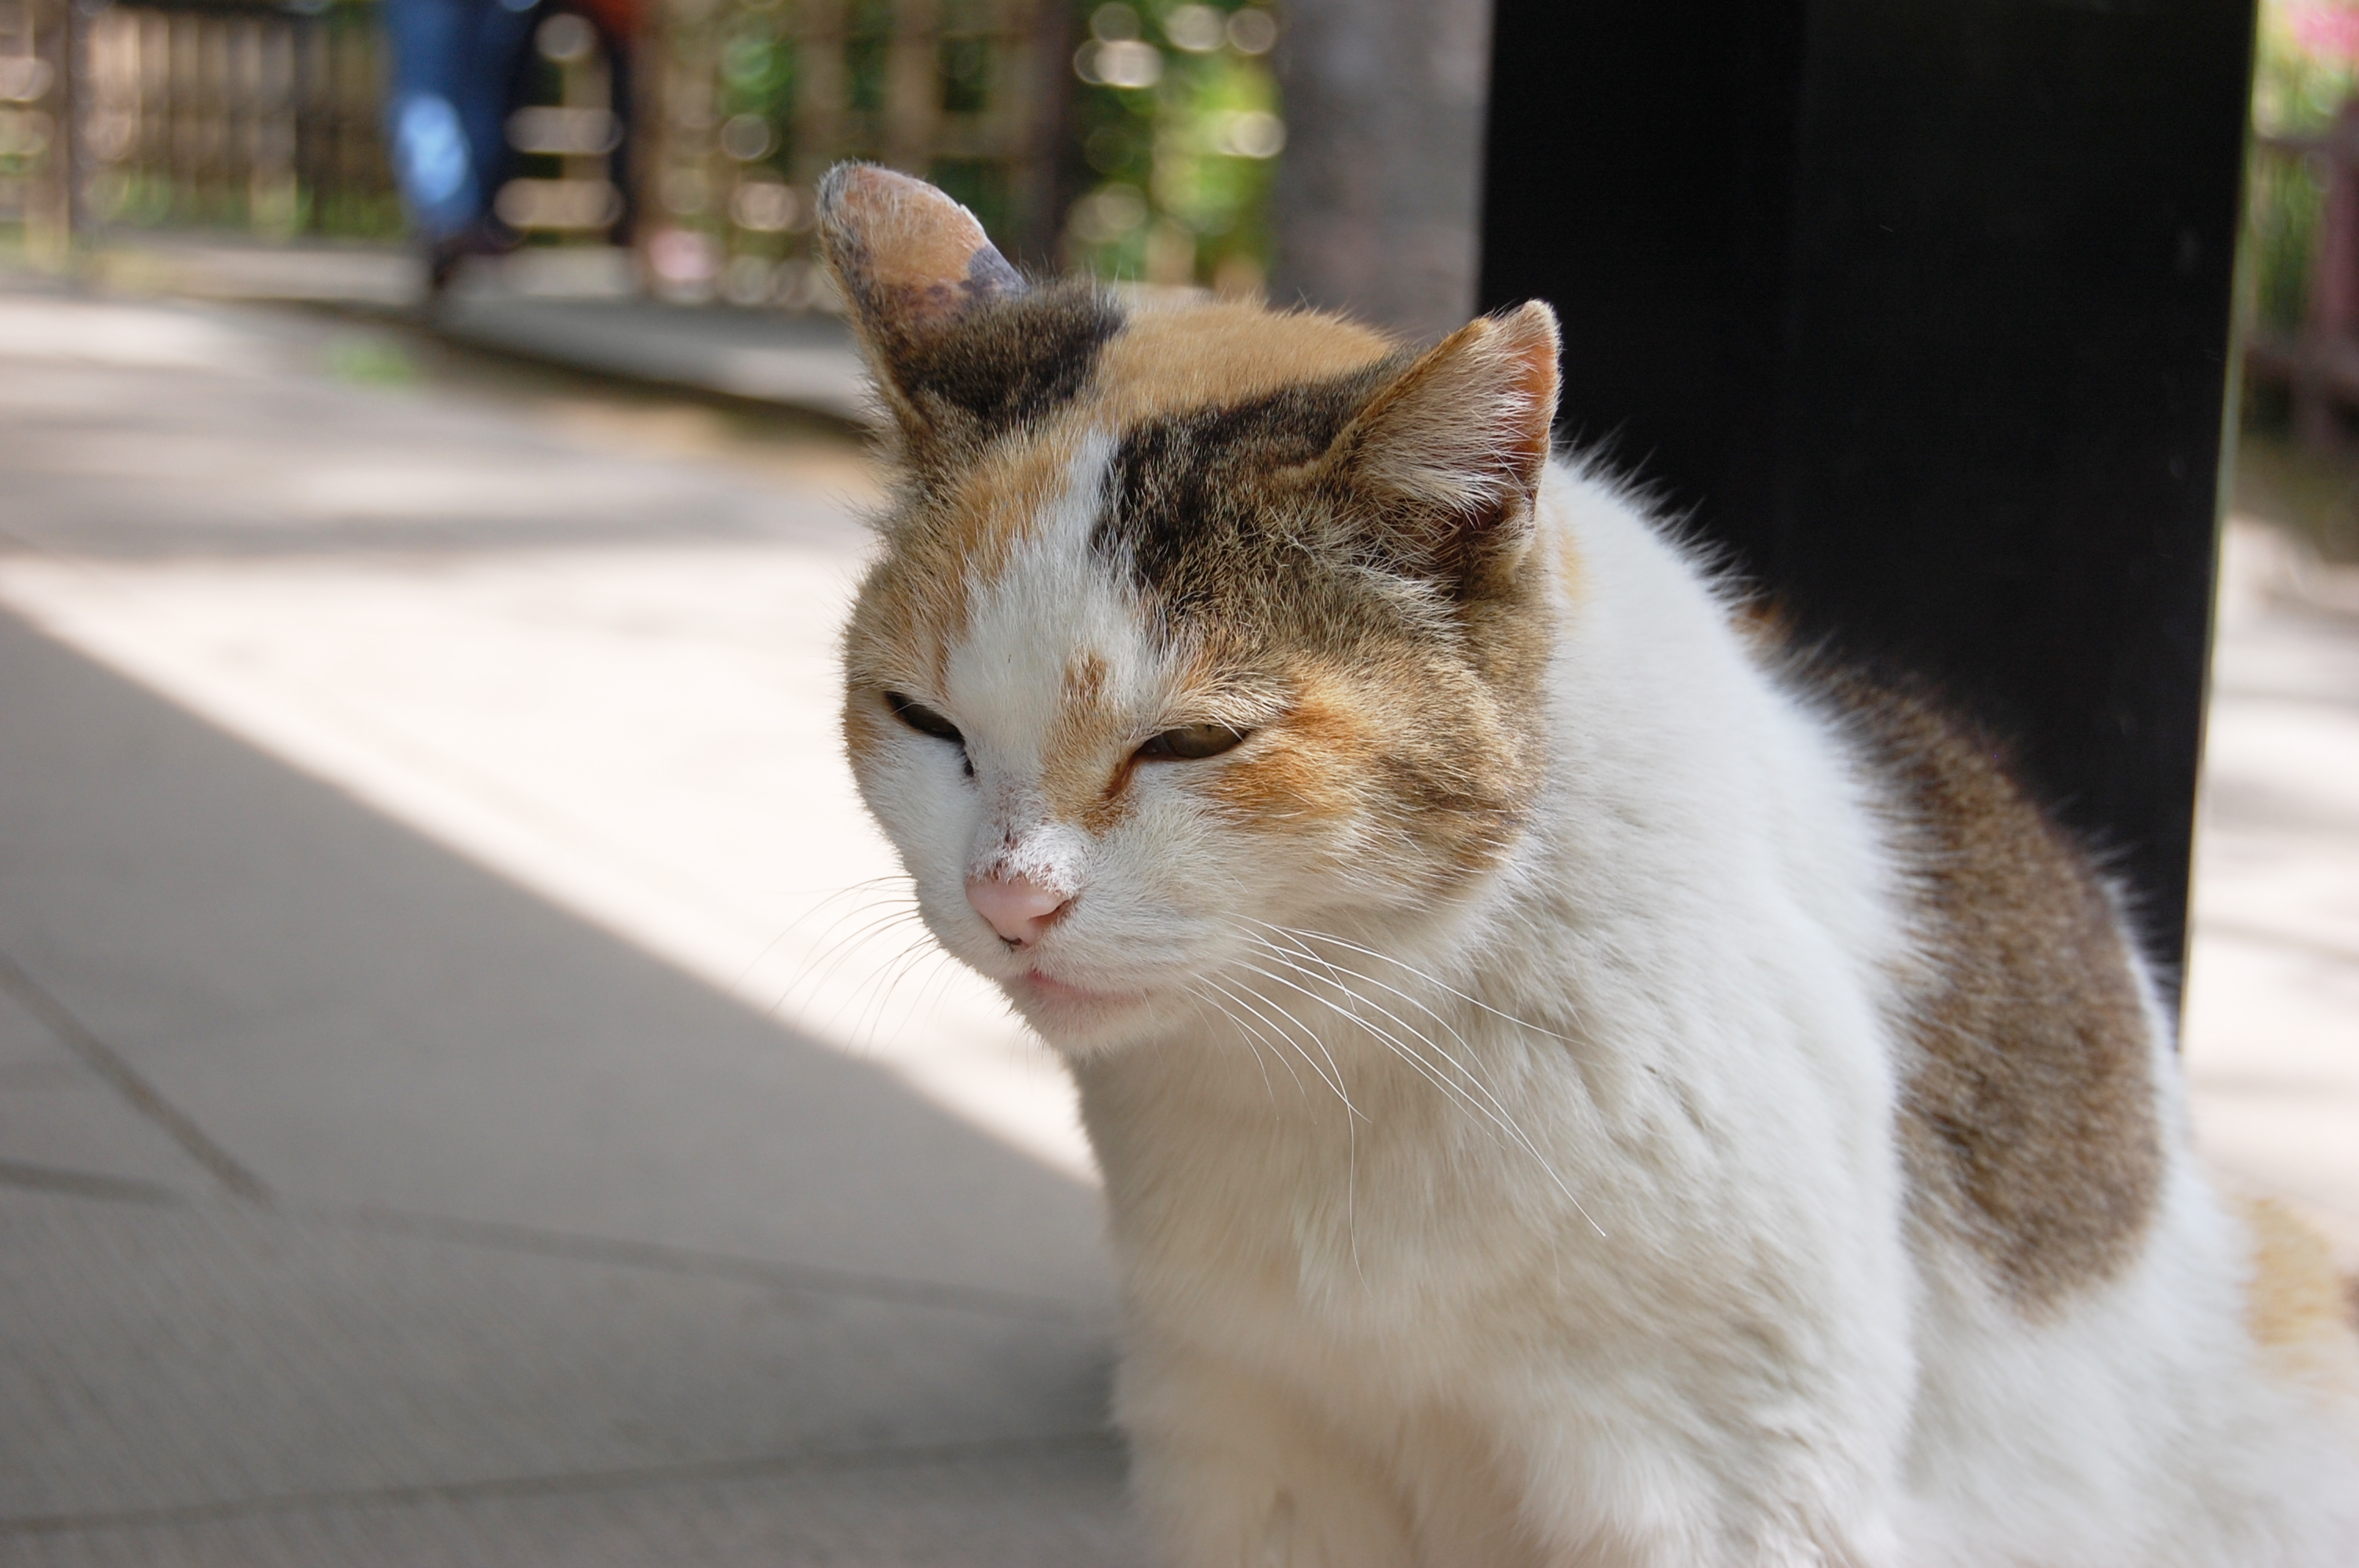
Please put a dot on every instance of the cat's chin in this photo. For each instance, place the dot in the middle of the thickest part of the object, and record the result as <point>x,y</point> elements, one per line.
<point>1077,1018</point>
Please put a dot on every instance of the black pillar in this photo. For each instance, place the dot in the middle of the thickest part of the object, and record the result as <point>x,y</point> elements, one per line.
<point>1923,307</point>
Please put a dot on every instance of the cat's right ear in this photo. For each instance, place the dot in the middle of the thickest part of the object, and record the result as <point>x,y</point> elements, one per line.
<point>959,344</point>
<point>1447,458</point>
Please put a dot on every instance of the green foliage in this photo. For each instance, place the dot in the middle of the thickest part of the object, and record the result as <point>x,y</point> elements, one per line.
<point>2299,81</point>
<point>1177,116</point>
<point>965,67</point>
<point>2283,202</point>
<point>2303,73</point>
<point>868,42</point>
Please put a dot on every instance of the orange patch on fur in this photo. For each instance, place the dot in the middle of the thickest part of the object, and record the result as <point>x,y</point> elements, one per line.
<point>1001,499</point>
<point>1214,355</point>
<point>1085,766</point>
<point>913,609</point>
<point>1306,765</point>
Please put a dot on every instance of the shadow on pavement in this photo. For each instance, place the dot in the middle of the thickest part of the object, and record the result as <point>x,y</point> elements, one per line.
<point>548,1252</point>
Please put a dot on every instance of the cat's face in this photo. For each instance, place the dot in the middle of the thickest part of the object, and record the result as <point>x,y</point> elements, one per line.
<point>1191,628</point>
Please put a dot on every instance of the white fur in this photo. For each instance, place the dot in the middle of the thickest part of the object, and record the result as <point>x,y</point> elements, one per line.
<point>1563,1223</point>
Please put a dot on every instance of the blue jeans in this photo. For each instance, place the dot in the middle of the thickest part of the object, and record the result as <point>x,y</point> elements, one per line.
<point>455,64</point>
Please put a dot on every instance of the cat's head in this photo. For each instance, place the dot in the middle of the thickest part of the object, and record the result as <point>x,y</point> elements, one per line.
<point>1190,626</point>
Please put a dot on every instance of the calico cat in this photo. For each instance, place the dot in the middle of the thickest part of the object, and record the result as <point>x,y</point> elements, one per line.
<point>1574,1083</point>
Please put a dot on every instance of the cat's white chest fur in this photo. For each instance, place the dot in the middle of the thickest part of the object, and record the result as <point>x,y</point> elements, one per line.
<point>1610,1135</point>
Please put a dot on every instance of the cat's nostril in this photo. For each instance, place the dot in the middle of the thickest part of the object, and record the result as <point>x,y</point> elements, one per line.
<point>1017,909</point>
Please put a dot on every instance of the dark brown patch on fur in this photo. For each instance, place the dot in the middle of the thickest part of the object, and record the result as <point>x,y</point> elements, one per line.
<point>1424,468</point>
<point>1187,488</point>
<point>2029,1121</point>
<point>1009,362</point>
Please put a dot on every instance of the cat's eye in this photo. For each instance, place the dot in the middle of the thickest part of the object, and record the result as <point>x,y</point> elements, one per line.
<point>923,720</point>
<point>1192,742</point>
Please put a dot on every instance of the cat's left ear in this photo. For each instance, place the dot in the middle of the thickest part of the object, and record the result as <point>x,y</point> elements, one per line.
<point>1447,459</point>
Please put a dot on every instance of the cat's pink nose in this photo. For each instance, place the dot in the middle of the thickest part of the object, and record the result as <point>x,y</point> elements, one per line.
<point>1018,909</point>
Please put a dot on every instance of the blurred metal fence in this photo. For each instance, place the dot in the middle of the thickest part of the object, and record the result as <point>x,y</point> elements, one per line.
<point>698,141</point>
<point>34,93</point>
<point>242,118</point>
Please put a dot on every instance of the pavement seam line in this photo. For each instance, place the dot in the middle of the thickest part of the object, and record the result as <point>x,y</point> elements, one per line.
<point>622,1253</point>
<point>102,1059</point>
<point>500,1487</point>
<point>60,1179</point>
<point>614,1252</point>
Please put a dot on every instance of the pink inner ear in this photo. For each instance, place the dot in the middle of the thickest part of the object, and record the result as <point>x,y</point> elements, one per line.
<point>907,251</point>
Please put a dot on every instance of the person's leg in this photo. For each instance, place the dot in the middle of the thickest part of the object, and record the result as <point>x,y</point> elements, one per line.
<point>432,159</point>
<point>494,83</point>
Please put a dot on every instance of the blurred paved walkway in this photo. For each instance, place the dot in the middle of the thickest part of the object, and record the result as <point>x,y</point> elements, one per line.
<point>2273,981</point>
<point>575,308</point>
<point>451,1109</point>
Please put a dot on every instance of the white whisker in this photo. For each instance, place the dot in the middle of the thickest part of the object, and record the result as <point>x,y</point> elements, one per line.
<point>1435,982</point>
<point>1352,1114</point>
<point>1334,1082</point>
<point>855,889</point>
<point>1497,1117</point>
<point>881,989</point>
<point>896,910</point>
<point>823,966</point>
<point>1196,995</point>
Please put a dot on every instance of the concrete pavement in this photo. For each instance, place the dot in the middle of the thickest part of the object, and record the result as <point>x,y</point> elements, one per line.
<point>447,1113</point>
<point>467,1090</point>
<point>2272,1030</point>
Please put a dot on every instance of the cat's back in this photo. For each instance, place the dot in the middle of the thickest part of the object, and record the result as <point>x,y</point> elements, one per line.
<point>2084,1289</point>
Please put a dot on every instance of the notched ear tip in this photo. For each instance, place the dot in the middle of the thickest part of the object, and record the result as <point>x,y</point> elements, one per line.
<point>908,259</point>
